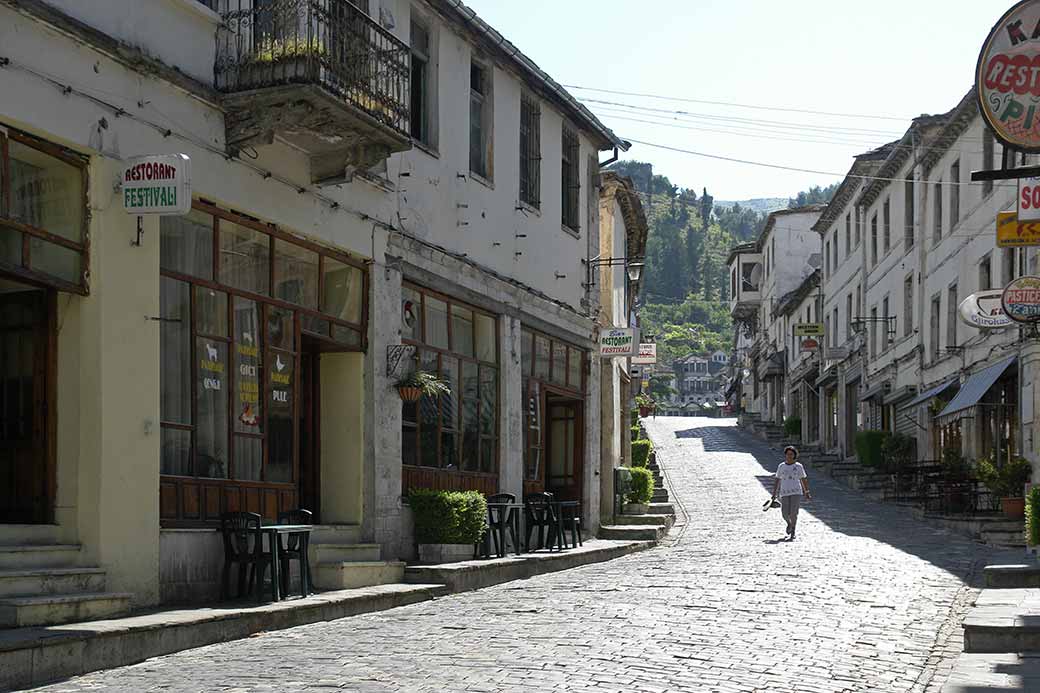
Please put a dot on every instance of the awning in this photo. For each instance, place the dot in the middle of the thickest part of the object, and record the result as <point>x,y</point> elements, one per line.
<point>928,394</point>
<point>905,392</point>
<point>975,388</point>
<point>876,391</point>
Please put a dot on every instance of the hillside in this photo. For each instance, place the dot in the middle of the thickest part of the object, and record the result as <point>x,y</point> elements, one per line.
<point>763,205</point>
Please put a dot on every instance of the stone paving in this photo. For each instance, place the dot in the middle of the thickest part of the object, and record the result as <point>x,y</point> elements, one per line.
<point>866,599</point>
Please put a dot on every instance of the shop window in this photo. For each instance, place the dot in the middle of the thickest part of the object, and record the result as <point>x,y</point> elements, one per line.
<point>245,255</point>
<point>462,330</point>
<point>411,315</point>
<point>486,338</point>
<point>295,274</point>
<point>186,244</point>
<point>559,365</point>
<point>541,357</point>
<point>343,290</point>
<point>43,191</point>
<point>436,316</point>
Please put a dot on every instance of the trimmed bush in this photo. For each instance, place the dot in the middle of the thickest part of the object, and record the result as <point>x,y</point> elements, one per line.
<point>898,452</point>
<point>636,433</point>
<point>642,486</point>
<point>634,417</point>
<point>1006,481</point>
<point>868,447</point>
<point>448,517</point>
<point>640,452</point>
<point>793,426</point>
<point>1033,516</point>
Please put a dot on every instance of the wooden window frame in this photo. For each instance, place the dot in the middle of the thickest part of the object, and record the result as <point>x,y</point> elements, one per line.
<point>570,175</point>
<point>530,151</point>
<point>24,271</point>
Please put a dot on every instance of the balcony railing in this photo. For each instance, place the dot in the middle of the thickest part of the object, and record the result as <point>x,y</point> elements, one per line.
<point>326,43</point>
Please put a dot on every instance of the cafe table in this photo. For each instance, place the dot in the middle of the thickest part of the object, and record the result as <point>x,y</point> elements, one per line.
<point>274,533</point>
<point>513,520</point>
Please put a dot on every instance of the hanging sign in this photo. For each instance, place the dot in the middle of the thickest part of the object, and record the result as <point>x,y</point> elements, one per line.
<point>810,344</point>
<point>647,354</point>
<point>984,310</point>
<point>1021,299</point>
<point>1007,77</point>
<point>836,353</point>
<point>617,341</point>
<point>157,185</point>
<point>809,329</point>
<point>1029,199</point>
<point>1012,232</point>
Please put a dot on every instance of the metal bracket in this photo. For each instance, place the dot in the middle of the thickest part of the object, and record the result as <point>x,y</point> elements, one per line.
<point>394,354</point>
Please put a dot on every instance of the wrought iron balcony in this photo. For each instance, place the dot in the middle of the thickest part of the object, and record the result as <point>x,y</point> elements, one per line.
<point>319,74</point>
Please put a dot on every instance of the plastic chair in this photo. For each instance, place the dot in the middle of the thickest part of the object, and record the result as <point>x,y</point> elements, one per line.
<point>244,545</point>
<point>500,524</point>
<point>570,518</point>
<point>294,547</point>
<point>541,515</point>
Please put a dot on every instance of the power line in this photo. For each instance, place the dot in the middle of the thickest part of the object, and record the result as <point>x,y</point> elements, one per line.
<point>737,105</point>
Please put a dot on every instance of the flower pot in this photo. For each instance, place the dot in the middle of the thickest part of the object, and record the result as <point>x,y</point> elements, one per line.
<point>1014,508</point>
<point>644,411</point>
<point>410,394</point>
<point>445,553</point>
<point>635,509</point>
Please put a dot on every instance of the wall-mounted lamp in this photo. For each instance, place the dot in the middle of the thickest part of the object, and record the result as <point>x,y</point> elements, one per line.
<point>633,266</point>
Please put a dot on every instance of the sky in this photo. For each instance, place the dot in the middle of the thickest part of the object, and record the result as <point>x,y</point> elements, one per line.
<point>888,59</point>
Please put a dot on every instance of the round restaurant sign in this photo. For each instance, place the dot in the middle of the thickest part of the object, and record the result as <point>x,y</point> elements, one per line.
<point>1007,78</point>
<point>1021,299</point>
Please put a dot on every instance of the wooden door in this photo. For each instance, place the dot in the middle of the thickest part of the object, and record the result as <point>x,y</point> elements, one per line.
<point>565,432</point>
<point>26,405</point>
<point>310,430</point>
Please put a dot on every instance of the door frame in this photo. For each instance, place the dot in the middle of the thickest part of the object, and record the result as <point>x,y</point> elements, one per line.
<point>567,399</point>
<point>308,491</point>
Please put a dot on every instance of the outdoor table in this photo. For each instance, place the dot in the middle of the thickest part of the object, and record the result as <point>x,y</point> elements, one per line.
<point>572,510</point>
<point>273,532</point>
<point>513,513</point>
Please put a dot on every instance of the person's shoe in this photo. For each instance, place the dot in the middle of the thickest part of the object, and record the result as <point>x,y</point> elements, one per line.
<point>791,538</point>
<point>789,530</point>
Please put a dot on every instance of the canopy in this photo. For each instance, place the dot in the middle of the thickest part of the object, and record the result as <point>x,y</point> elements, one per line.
<point>928,394</point>
<point>976,387</point>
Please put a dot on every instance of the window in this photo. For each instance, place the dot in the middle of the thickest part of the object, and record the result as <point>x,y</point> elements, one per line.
<point>458,431</point>
<point>827,259</point>
<point>875,328</point>
<point>951,316</point>
<point>987,159</point>
<point>834,322</point>
<point>886,334</point>
<point>908,214</point>
<point>933,333</point>
<point>834,265</point>
<point>886,224</point>
<point>873,240</point>
<point>937,214</point>
<point>1011,264</point>
<point>746,270</point>
<point>530,151</point>
<point>848,317</point>
<point>908,305</point>
<point>422,91</point>
<point>733,284</point>
<point>43,212</point>
<point>848,235</point>
<point>985,274</point>
<point>480,120</point>
<point>955,193</point>
<point>570,179</point>
<point>856,228</point>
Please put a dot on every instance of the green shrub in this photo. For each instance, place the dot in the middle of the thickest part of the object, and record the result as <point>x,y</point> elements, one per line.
<point>636,433</point>
<point>1006,481</point>
<point>642,486</point>
<point>898,452</point>
<point>448,517</point>
<point>793,426</point>
<point>640,452</point>
<point>868,447</point>
<point>954,465</point>
<point>634,417</point>
<point>1033,516</point>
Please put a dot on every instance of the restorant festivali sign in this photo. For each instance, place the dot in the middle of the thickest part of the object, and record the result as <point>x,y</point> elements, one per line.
<point>1021,299</point>
<point>1007,77</point>
<point>618,341</point>
<point>984,310</point>
<point>157,185</point>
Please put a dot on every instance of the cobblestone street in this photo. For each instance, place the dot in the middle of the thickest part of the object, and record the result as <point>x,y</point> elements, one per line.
<point>866,599</point>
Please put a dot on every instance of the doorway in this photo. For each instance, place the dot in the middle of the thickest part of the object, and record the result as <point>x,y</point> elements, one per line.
<point>26,404</point>
<point>564,444</point>
<point>310,427</point>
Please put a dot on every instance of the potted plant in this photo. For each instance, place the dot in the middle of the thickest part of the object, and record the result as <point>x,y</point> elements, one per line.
<point>1007,483</point>
<point>448,524</point>
<point>645,404</point>
<point>419,384</point>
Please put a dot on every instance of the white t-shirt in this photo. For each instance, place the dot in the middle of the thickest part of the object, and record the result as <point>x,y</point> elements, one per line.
<point>790,476</point>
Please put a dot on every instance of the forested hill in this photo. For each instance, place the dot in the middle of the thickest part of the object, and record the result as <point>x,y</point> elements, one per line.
<point>686,289</point>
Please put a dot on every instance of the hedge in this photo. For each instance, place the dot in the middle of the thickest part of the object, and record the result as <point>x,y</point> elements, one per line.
<point>793,426</point>
<point>642,486</point>
<point>640,452</point>
<point>448,517</point>
<point>636,433</point>
<point>868,447</point>
<point>1033,516</point>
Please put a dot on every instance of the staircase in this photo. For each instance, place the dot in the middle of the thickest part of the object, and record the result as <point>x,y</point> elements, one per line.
<point>340,561</point>
<point>43,583</point>
<point>649,526</point>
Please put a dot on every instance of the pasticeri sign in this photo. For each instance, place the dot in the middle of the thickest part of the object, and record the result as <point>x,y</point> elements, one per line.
<point>1021,299</point>
<point>1007,77</point>
<point>157,185</point>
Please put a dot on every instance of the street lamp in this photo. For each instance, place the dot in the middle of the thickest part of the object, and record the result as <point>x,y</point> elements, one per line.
<point>633,266</point>
<point>635,271</point>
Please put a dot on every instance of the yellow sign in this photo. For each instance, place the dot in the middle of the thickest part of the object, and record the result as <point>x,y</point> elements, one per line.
<point>1012,233</point>
<point>808,329</point>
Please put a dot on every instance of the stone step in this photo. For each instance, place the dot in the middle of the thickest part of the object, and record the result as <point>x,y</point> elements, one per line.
<point>1003,538</point>
<point>631,533</point>
<point>344,553</point>
<point>336,534</point>
<point>42,581</point>
<point>49,610</point>
<point>30,534</point>
<point>662,509</point>
<point>26,556</point>
<point>1003,620</point>
<point>660,496</point>
<point>1013,576</point>
<point>993,673</point>
<point>654,520</point>
<point>352,575</point>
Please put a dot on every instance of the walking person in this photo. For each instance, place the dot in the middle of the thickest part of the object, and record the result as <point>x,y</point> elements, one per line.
<point>791,485</point>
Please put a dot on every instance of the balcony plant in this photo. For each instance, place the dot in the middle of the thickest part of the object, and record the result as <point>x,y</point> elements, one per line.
<point>1007,483</point>
<point>645,404</point>
<point>419,383</point>
<point>448,524</point>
